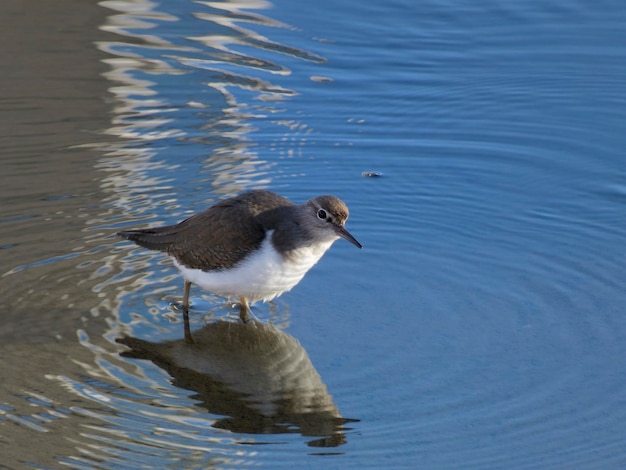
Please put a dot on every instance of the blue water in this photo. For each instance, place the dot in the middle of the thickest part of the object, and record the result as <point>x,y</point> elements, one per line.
<point>480,327</point>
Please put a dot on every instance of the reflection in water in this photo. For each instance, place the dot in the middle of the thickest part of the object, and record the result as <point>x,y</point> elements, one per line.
<point>257,376</point>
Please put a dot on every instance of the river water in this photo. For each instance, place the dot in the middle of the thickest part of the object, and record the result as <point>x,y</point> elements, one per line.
<point>479,147</point>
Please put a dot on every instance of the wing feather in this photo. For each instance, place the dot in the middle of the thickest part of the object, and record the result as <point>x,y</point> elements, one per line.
<point>219,237</point>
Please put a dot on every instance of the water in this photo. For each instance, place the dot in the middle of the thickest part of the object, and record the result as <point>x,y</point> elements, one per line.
<point>480,327</point>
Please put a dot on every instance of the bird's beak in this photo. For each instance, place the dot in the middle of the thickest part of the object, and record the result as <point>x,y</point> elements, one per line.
<point>343,233</point>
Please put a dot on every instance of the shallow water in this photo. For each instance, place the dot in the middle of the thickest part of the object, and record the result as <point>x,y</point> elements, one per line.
<point>480,327</point>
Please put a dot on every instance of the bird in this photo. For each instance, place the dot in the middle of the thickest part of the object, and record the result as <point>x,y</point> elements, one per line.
<point>254,246</point>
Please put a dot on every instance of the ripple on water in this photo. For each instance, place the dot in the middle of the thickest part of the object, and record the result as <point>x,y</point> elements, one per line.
<point>511,330</point>
<point>485,329</point>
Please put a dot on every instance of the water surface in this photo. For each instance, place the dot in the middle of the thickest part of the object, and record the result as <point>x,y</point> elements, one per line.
<point>480,327</point>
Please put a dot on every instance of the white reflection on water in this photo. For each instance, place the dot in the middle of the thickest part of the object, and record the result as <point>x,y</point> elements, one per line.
<point>185,104</point>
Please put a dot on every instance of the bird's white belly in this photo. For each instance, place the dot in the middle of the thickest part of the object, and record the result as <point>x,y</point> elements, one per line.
<point>261,276</point>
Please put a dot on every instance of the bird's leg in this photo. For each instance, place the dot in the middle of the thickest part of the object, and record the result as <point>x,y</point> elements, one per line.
<point>188,337</point>
<point>244,309</point>
<point>186,295</point>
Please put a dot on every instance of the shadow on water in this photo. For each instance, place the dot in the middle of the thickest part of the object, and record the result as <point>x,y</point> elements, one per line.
<point>259,378</point>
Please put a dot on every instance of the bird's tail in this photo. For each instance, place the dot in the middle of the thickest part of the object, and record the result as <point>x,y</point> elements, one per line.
<point>160,238</point>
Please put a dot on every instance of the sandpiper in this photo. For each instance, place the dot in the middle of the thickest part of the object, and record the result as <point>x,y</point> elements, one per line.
<point>253,246</point>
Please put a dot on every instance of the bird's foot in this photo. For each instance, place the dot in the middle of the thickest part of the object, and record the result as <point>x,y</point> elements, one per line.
<point>244,314</point>
<point>244,310</point>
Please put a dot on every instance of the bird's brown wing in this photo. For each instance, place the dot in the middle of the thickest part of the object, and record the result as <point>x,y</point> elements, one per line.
<point>217,238</point>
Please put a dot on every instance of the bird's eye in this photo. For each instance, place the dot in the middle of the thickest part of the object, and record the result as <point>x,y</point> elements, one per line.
<point>321,214</point>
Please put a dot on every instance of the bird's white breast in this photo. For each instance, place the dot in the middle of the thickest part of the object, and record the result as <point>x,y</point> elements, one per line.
<point>262,275</point>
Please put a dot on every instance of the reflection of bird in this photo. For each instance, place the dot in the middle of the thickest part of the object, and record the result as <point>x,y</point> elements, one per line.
<point>254,246</point>
<point>259,376</point>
